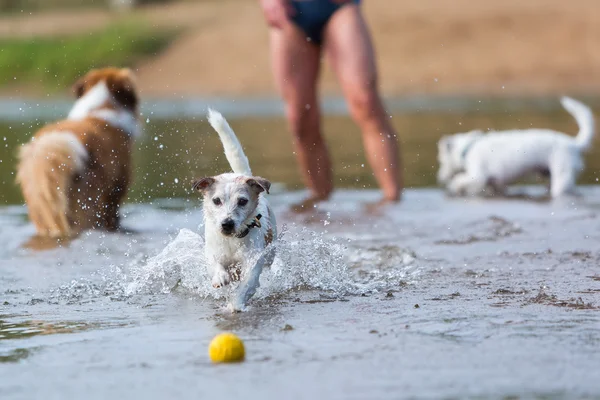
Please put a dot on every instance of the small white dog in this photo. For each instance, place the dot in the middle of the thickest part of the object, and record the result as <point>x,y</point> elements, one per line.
<point>239,223</point>
<point>472,163</point>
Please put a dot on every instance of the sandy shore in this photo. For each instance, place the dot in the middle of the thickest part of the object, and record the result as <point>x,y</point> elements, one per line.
<point>511,47</point>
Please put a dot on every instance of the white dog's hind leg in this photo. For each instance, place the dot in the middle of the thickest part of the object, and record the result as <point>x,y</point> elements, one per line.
<point>465,184</point>
<point>564,168</point>
<point>562,183</point>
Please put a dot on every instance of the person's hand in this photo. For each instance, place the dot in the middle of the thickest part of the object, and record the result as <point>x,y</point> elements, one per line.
<point>277,12</point>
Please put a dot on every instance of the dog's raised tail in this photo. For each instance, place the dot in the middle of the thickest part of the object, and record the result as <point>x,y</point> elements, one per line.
<point>233,149</point>
<point>585,119</point>
<point>47,167</point>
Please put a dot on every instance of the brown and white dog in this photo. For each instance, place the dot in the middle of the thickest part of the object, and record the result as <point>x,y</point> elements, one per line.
<point>75,173</point>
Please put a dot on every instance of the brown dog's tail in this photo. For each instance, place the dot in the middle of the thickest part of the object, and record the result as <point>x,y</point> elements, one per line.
<point>47,167</point>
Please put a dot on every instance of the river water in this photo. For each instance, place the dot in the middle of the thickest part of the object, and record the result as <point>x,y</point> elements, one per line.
<point>431,298</point>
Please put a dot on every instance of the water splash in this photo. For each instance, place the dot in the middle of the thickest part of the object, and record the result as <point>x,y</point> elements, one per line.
<point>181,263</point>
<point>305,260</point>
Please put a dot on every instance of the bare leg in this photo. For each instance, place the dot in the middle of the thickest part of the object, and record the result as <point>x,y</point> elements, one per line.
<point>296,69</point>
<point>351,54</point>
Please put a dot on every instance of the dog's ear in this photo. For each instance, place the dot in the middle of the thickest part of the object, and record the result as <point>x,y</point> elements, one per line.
<point>203,183</point>
<point>446,143</point>
<point>259,184</point>
<point>78,87</point>
<point>449,144</point>
<point>122,88</point>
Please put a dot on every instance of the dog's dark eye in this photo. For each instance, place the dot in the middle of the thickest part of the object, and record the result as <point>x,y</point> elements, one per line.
<point>217,201</point>
<point>242,202</point>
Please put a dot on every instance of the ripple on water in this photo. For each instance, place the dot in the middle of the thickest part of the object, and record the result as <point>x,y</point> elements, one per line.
<point>28,328</point>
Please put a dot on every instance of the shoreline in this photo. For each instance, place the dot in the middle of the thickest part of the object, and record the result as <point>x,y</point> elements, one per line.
<point>24,109</point>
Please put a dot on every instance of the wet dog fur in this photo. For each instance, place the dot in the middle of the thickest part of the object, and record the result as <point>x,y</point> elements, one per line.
<point>238,220</point>
<point>75,173</point>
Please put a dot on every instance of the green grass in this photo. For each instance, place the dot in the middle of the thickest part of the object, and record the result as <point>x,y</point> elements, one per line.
<point>17,6</point>
<point>55,63</point>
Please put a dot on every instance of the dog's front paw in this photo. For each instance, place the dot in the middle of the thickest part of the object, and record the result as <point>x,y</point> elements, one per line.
<point>452,192</point>
<point>236,307</point>
<point>220,278</point>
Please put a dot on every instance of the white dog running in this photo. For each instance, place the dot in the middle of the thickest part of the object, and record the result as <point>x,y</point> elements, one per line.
<point>239,223</point>
<point>473,162</point>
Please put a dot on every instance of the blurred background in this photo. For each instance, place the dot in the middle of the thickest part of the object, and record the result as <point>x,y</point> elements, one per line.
<point>445,67</point>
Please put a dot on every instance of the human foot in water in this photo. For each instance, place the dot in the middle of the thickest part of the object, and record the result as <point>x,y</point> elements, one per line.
<point>375,208</point>
<point>307,205</point>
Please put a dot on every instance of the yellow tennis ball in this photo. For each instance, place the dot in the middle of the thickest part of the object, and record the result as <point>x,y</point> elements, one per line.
<point>226,347</point>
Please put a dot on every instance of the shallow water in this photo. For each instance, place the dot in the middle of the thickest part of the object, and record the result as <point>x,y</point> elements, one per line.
<point>433,298</point>
<point>175,151</point>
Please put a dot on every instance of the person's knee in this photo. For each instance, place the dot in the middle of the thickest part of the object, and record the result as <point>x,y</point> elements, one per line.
<point>302,117</point>
<point>364,103</point>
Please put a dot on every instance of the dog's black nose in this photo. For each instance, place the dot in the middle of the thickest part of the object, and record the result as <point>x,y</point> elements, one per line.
<point>227,226</point>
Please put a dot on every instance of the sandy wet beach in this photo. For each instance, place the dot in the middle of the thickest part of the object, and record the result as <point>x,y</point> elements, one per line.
<point>435,298</point>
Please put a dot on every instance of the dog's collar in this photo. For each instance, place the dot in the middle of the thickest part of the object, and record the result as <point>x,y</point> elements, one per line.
<point>254,224</point>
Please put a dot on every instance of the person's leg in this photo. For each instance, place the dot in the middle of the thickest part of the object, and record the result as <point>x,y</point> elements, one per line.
<point>296,70</point>
<point>351,54</point>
